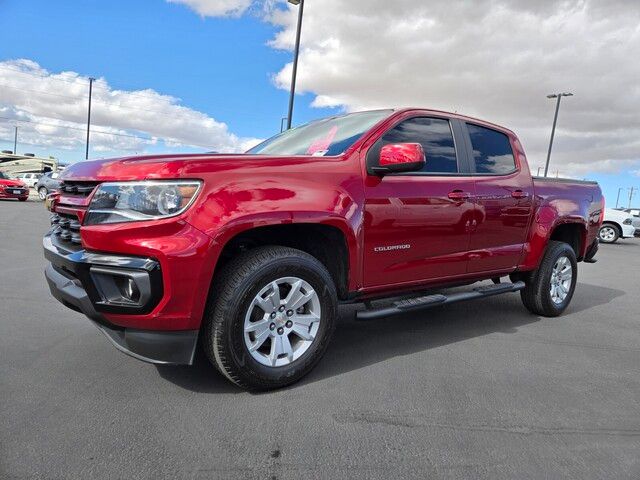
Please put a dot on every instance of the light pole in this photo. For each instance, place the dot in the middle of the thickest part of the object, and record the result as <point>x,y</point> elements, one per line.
<point>15,141</point>
<point>631,196</point>
<point>91,80</point>
<point>618,197</point>
<point>300,4</point>
<point>553,129</point>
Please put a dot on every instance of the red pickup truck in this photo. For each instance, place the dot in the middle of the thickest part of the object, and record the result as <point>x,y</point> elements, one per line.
<point>250,255</point>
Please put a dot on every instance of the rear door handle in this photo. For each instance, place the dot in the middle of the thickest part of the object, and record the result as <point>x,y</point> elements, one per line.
<point>458,195</point>
<point>519,194</point>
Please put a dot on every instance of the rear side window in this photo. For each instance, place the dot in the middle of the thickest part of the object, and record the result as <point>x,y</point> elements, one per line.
<point>491,151</point>
<point>434,134</point>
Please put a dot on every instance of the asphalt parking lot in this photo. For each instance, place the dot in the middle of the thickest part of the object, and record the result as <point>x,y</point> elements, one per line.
<point>474,390</point>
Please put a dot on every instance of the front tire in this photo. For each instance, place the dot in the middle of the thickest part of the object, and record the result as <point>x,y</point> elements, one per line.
<point>42,193</point>
<point>609,233</point>
<point>549,289</point>
<point>270,318</point>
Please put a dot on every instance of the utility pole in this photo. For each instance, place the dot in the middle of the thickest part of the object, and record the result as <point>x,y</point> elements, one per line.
<point>15,141</point>
<point>91,80</point>
<point>300,4</point>
<point>618,197</point>
<point>553,129</point>
<point>631,195</point>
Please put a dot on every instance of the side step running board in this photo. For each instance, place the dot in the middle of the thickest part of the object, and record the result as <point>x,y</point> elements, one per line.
<point>428,301</point>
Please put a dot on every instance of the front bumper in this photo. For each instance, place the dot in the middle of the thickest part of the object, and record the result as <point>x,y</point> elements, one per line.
<point>14,192</point>
<point>628,231</point>
<point>84,282</point>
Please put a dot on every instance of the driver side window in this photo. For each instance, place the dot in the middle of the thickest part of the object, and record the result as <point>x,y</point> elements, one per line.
<point>435,136</point>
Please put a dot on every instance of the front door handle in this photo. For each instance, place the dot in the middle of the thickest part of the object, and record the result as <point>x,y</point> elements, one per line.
<point>459,195</point>
<point>519,194</point>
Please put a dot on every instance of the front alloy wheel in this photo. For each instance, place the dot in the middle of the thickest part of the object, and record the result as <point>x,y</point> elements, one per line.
<point>608,234</point>
<point>282,321</point>
<point>270,317</point>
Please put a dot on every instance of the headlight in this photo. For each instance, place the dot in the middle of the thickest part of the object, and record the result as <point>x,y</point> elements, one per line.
<point>628,221</point>
<point>135,201</point>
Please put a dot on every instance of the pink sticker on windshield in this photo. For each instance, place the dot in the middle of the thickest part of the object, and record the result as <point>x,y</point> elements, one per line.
<point>322,144</point>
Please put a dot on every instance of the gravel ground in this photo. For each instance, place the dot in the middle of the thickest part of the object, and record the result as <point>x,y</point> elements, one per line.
<point>475,390</point>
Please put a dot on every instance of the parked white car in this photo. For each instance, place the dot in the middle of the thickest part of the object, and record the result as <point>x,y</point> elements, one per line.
<point>29,178</point>
<point>635,213</point>
<point>616,224</point>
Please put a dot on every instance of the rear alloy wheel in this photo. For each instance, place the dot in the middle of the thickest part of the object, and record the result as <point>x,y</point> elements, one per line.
<point>608,233</point>
<point>549,289</point>
<point>42,193</point>
<point>270,318</point>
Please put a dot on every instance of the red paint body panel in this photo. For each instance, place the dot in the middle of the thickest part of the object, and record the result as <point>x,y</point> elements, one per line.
<point>451,238</point>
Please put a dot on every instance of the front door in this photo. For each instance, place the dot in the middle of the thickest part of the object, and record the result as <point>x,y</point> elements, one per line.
<point>417,225</point>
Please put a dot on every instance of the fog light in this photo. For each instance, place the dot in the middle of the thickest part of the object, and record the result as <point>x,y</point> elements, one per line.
<point>128,288</point>
<point>121,288</point>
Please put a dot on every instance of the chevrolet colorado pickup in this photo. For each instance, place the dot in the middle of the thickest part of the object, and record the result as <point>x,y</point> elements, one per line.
<point>250,255</point>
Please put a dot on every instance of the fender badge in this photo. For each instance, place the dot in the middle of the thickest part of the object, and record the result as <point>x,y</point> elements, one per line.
<point>390,248</point>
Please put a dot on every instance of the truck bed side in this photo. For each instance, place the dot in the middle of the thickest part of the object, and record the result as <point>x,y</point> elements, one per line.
<point>568,210</point>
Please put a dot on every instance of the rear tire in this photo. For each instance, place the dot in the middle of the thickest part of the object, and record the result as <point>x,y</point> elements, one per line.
<point>246,323</point>
<point>549,289</point>
<point>609,233</point>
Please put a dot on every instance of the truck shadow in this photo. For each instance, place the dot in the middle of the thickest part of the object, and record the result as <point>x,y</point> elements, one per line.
<point>356,345</point>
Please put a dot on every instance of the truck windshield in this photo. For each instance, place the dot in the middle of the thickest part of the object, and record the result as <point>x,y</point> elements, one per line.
<point>326,137</point>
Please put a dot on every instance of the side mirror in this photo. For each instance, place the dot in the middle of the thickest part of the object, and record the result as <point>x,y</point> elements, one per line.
<point>400,157</point>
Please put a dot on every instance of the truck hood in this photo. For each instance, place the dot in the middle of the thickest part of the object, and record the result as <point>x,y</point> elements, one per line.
<point>168,166</point>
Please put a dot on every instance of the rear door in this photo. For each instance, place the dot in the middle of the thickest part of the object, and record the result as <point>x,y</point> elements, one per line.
<point>503,198</point>
<point>417,224</point>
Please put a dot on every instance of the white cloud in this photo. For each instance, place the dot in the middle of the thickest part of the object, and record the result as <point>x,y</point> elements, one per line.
<point>216,8</point>
<point>52,109</point>
<point>495,59</point>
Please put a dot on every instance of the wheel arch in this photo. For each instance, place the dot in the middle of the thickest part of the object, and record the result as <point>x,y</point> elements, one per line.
<point>574,234</point>
<point>324,241</point>
<point>613,223</point>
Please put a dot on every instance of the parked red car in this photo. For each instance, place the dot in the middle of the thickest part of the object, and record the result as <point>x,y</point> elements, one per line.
<point>251,254</point>
<point>10,188</point>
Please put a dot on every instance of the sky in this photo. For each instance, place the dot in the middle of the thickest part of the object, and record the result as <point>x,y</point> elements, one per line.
<point>213,75</point>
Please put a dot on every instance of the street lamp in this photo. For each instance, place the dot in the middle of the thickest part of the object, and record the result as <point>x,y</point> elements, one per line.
<point>618,197</point>
<point>300,4</point>
<point>91,80</point>
<point>553,129</point>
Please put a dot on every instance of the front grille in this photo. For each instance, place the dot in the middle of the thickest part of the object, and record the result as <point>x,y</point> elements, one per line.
<point>67,229</point>
<point>10,190</point>
<point>78,187</point>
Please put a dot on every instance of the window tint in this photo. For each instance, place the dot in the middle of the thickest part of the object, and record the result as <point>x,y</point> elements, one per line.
<point>491,151</point>
<point>434,134</point>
